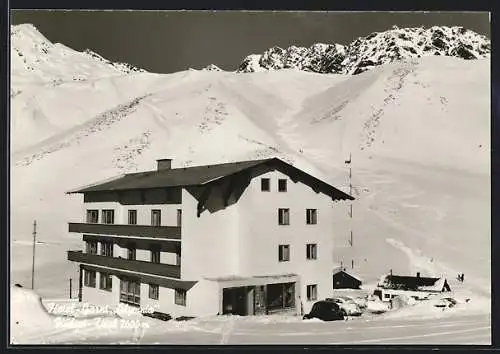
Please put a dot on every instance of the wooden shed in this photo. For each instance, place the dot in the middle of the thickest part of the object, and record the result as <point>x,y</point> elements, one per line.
<point>345,280</point>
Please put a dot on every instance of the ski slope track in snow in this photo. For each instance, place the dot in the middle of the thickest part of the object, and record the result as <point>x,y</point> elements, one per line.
<point>417,129</point>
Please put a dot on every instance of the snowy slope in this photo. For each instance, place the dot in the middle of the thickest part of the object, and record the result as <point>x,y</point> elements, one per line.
<point>34,59</point>
<point>417,131</point>
<point>373,50</point>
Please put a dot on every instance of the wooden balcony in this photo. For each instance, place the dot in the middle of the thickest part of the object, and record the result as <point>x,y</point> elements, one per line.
<point>165,232</point>
<point>164,270</point>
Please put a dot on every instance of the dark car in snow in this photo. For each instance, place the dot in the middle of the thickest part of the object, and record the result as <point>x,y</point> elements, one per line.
<point>325,311</point>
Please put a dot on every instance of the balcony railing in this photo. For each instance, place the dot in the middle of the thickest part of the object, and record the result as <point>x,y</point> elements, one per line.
<point>167,232</point>
<point>165,270</point>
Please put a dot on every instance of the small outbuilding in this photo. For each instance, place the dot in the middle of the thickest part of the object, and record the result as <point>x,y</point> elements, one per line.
<point>418,283</point>
<point>345,280</point>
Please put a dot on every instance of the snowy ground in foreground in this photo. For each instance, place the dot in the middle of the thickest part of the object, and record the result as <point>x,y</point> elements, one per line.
<point>69,322</point>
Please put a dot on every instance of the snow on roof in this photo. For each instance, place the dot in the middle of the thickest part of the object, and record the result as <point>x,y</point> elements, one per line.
<point>411,282</point>
<point>438,285</point>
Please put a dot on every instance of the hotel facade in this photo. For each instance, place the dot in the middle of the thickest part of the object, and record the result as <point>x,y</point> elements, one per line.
<point>247,238</point>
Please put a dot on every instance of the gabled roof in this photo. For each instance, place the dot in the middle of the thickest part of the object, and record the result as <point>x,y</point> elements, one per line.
<point>337,270</point>
<point>202,175</point>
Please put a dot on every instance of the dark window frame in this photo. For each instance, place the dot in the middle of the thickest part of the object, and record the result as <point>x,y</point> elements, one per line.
<point>130,291</point>
<point>311,216</point>
<point>105,281</point>
<point>132,216</point>
<point>154,291</point>
<point>132,250</point>
<point>107,248</point>
<point>312,251</point>
<point>91,247</point>
<point>265,184</point>
<point>179,217</point>
<point>108,216</point>
<point>283,216</point>
<point>284,253</point>
<point>312,292</point>
<point>92,216</point>
<point>153,213</point>
<point>155,254</point>
<point>89,278</point>
<point>180,297</point>
<point>282,185</point>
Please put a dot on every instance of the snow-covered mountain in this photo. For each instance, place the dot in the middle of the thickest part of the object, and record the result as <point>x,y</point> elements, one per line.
<point>212,67</point>
<point>373,50</point>
<point>418,134</point>
<point>35,59</point>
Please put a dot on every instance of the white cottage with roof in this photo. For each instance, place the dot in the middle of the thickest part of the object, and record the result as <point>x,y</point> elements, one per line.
<point>245,238</point>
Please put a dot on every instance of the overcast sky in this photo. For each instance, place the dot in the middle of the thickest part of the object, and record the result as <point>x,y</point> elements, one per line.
<point>163,41</point>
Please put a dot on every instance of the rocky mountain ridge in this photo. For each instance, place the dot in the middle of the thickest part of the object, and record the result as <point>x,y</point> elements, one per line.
<point>373,50</point>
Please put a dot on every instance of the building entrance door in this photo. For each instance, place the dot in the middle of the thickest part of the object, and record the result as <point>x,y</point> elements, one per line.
<point>238,301</point>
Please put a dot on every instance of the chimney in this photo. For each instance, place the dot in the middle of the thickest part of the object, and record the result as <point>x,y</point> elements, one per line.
<point>164,164</point>
<point>418,274</point>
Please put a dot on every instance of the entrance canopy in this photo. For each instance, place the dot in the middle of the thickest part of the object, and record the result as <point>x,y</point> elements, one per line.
<point>237,281</point>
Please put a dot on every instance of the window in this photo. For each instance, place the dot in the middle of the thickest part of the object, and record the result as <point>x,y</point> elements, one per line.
<point>265,185</point>
<point>179,217</point>
<point>89,279</point>
<point>178,258</point>
<point>311,216</point>
<point>155,254</point>
<point>92,216</point>
<point>130,291</point>
<point>106,282</point>
<point>284,216</point>
<point>280,296</point>
<point>108,216</point>
<point>156,217</point>
<point>131,252</point>
<point>312,251</point>
<point>284,253</point>
<point>282,185</point>
<point>387,296</point>
<point>91,247</point>
<point>180,297</point>
<point>154,291</point>
<point>132,217</point>
<point>107,249</point>
<point>312,292</point>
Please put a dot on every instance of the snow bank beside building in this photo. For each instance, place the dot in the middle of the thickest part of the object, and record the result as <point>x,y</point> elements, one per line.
<point>29,319</point>
<point>65,322</point>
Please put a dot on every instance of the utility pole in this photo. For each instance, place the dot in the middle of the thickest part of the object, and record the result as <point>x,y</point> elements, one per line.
<point>348,162</point>
<point>33,261</point>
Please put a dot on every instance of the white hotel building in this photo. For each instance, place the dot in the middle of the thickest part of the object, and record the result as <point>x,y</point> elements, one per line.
<point>246,238</point>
